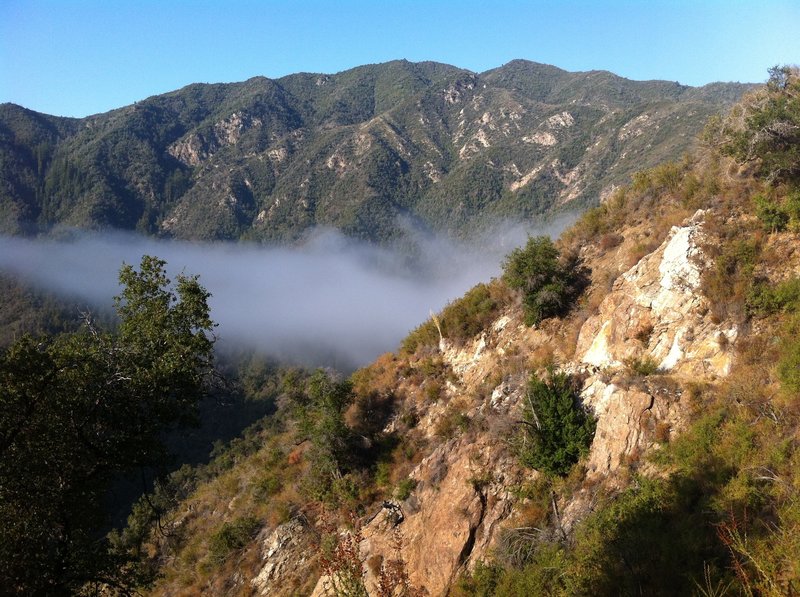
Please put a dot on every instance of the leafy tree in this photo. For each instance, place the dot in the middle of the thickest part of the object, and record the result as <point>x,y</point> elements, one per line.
<point>557,429</point>
<point>765,128</point>
<point>548,283</point>
<point>319,408</point>
<point>78,410</point>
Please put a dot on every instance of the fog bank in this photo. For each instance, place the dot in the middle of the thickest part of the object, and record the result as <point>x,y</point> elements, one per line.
<point>331,301</point>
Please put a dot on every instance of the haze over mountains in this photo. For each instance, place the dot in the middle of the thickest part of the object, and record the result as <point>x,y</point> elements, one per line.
<point>364,151</point>
<point>335,301</point>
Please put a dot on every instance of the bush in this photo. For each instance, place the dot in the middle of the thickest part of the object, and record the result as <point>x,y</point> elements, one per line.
<point>789,363</point>
<point>727,284</point>
<point>404,489</point>
<point>557,429</point>
<point>470,315</point>
<point>772,216</point>
<point>319,407</point>
<point>610,240</point>
<point>425,334</point>
<point>764,299</point>
<point>647,541</point>
<point>461,319</point>
<point>232,536</point>
<point>548,284</point>
<point>267,486</point>
<point>643,367</point>
<point>451,422</point>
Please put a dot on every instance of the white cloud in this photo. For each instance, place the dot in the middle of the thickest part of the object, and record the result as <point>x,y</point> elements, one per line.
<point>330,301</point>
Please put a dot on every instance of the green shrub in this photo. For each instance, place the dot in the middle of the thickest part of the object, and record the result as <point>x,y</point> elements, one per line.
<point>594,221</point>
<point>667,177</point>
<point>765,128</point>
<point>728,283</point>
<point>433,390</point>
<point>789,363</point>
<point>792,206</point>
<point>543,575</point>
<point>318,406</point>
<point>267,486</point>
<point>557,429</point>
<point>451,422</point>
<point>404,489</point>
<point>425,334</point>
<point>644,366</point>
<point>481,581</point>
<point>548,284</point>
<point>647,541</point>
<point>764,299</point>
<point>773,217</point>
<point>232,536</point>
<point>471,314</point>
<point>383,472</point>
<point>461,319</point>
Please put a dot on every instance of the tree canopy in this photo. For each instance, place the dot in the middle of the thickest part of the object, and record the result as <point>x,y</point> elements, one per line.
<point>764,128</point>
<point>77,410</point>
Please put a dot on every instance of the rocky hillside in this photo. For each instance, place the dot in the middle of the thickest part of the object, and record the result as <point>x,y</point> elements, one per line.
<point>364,151</point>
<point>680,359</point>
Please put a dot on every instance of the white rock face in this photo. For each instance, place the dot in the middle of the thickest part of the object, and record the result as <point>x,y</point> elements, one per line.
<point>278,155</point>
<point>678,267</point>
<point>195,148</point>
<point>656,311</point>
<point>564,119</point>
<point>283,552</point>
<point>635,127</point>
<point>515,186</point>
<point>541,138</point>
<point>599,352</point>
<point>473,146</point>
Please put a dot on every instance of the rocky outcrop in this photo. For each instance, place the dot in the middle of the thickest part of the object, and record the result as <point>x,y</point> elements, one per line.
<point>451,518</point>
<point>633,357</point>
<point>657,312</point>
<point>196,148</point>
<point>284,552</point>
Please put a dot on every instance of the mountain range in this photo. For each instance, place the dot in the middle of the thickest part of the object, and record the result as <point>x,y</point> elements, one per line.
<point>366,151</point>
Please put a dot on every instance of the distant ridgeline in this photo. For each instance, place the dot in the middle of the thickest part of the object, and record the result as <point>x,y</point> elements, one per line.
<point>442,147</point>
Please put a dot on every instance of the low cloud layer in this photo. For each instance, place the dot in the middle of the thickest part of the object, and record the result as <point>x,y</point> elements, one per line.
<point>331,301</point>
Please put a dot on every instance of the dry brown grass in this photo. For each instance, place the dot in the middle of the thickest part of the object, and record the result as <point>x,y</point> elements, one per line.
<point>662,432</point>
<point>609,240</point>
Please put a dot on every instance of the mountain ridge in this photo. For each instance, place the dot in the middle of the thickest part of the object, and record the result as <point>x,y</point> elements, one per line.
<point>266,159</point>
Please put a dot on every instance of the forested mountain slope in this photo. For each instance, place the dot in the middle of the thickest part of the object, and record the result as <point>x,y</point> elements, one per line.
<point>364,151</point>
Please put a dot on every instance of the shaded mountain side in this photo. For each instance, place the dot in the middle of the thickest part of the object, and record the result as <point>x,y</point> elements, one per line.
<point>267,159</point>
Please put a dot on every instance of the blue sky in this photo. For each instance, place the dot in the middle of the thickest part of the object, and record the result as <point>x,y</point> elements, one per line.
<point>73,57</point>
